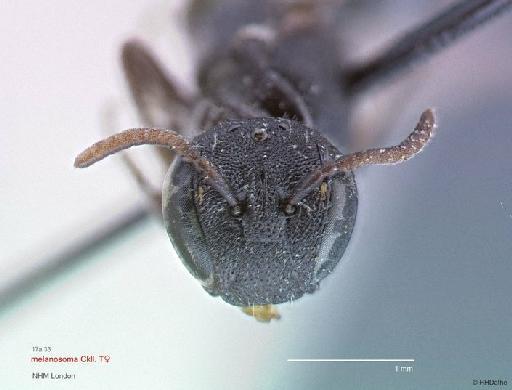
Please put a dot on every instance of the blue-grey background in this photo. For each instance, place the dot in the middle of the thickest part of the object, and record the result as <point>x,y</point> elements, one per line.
<point>427,274</point>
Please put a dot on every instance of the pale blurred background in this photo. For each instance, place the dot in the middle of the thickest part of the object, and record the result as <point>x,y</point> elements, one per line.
<point>427,274</point>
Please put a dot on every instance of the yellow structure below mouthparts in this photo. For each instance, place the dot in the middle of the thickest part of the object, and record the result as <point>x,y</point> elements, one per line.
<point>262,313</point>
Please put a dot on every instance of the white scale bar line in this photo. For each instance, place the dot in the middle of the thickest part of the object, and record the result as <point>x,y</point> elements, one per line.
<point>351,360</point>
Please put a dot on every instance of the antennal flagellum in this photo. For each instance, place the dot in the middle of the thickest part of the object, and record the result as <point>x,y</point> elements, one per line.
<point>160,137</point>
<point>408,148</point>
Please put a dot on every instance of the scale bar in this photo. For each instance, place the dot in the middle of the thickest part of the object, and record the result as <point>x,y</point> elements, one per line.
<point>351,360</point>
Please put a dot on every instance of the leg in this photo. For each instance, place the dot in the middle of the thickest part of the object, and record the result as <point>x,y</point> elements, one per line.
<point>237,107</point>
<point>422,42</point>
<point>154,195</point>
<point>159,102</point>
<point>109,116</point>
<point>372,114</point>
<point>206,114</point>
<point>278,96</point>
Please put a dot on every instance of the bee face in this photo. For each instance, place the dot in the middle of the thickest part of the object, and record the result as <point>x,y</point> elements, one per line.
<point>261,252</point>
